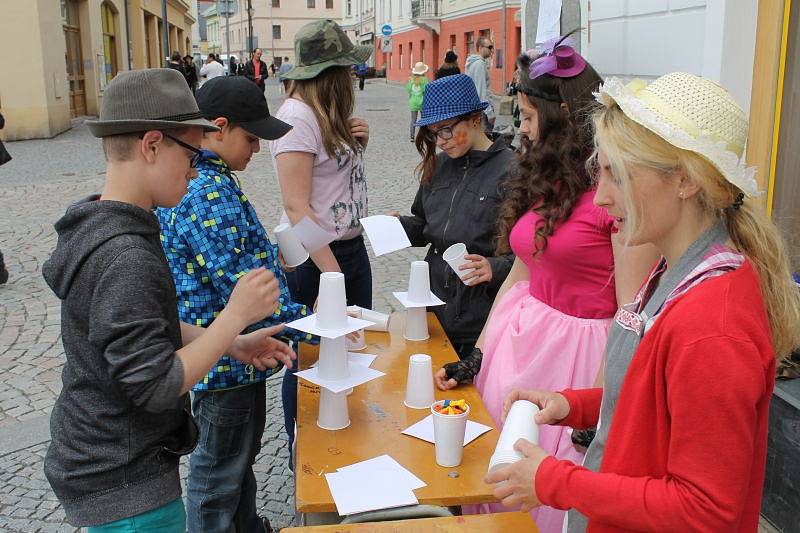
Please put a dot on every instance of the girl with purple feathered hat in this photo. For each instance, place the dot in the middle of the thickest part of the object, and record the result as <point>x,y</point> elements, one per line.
<point>551,317</point>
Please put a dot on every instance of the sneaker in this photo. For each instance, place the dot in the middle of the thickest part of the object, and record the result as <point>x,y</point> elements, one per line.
<point>266,524</point>
<point>3,274</point>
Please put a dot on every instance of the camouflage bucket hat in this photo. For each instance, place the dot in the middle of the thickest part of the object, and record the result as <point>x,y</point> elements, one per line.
<point>323,44</point>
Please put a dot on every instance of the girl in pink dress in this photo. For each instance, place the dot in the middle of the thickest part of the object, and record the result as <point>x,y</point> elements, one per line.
<point>550,320</point>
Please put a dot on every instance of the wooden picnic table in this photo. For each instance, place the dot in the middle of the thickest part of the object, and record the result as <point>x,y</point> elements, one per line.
<point>517,522</point>
<point>378,416</point>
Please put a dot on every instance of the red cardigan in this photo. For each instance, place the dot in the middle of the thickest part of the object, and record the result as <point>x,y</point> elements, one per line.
<point>688,442</point>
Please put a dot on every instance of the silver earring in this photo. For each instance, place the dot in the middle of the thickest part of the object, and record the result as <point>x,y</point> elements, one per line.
<point>680,194</point>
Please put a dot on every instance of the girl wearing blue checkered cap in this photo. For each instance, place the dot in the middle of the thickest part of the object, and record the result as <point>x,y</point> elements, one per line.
<point>458,201</point>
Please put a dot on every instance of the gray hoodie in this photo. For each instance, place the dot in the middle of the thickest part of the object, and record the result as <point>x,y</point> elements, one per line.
<point>477,68</point>
<point>120,424</point>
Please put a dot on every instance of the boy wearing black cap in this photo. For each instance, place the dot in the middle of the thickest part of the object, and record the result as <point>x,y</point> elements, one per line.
<point>122,421</point>
<point>209,238</point>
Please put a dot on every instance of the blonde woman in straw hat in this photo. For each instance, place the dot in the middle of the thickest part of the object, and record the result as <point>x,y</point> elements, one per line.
<point>690,363</point>
<point>320,168</point>
<point>415,87</point>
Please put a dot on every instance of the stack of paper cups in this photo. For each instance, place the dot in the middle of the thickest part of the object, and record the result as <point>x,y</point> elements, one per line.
<point>416,324</point>
<point>419,283</point>
<point>333,363</point>
<point>519,424</point>
<point>360,343</point>
<point>419,387</point>
<point>455,257</point>
<point>448,436</point>
<point>294,254</point>
<point>381,320</point>
<point>333,413</point>
<point>332,301</point>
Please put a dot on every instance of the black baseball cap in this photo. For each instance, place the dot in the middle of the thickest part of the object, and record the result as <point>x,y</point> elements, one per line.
<point>242,102</point>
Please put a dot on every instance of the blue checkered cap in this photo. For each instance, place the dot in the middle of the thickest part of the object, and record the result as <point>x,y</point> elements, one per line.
<point>449,97</point>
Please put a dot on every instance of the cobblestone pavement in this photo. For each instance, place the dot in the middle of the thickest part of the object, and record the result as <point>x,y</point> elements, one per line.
<point>42,180</point>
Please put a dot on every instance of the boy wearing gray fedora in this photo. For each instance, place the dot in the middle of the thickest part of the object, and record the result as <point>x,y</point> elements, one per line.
<point>122,420</point>
<point>217,222</point>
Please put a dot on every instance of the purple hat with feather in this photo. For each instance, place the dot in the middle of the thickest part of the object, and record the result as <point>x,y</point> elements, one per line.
<point>556,57</point>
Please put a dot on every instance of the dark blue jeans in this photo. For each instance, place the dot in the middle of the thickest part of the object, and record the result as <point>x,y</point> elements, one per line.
<point>304,286</point>
<point>221,488</point>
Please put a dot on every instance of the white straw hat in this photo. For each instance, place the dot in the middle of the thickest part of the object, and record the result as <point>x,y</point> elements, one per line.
<point>419,69</point>
<point>691,113</point>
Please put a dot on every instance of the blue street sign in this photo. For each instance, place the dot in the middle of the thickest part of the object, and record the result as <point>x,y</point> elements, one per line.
<point>386,30</point>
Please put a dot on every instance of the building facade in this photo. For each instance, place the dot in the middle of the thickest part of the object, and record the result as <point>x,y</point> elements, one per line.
<point>40,91</point>
<point>274,24</point>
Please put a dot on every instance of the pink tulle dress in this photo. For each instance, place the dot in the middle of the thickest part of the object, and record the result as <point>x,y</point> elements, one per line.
<point>550,332</point>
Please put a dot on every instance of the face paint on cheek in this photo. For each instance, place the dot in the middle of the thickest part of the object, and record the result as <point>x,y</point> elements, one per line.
<point>461,138</point>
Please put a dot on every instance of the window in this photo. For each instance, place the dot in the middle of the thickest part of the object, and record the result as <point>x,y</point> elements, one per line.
<point>109,40</point>
<point>349,8</point>
<point>276,31</point>
<point>453,44</point>
<point>328,4</point>
<point>311,4</point>
<point>400,53</point>
<point>469,42</point>
<point>276,3</point>
<point>410,54</point>
<point>422,51</point>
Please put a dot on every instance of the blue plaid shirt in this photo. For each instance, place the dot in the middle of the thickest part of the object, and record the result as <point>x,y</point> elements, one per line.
<point>211,239</point>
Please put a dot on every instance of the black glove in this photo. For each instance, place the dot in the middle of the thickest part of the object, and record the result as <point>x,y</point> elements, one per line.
<point>464,371</point>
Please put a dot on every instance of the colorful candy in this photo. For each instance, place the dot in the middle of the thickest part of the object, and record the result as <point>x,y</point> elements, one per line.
<point>451,407</point>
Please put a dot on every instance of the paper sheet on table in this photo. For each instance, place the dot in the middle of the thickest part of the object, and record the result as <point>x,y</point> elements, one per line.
<point>548,25</point>
<point>386,234</point>
<point>359,375</point>
<point>432,300</point>
<point>311,235</point>
<point>309,325</point>
<point>363,359</point>
<point>388,466</point>
<point>424,430</point>
<point>360,490</point>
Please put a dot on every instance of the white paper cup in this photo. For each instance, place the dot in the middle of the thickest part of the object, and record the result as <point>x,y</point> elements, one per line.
<point>519,424</point>
<point>333,363</point>
<point>333,412</point>
<point>454,256</point>
<point>419,387</point>
<point>381,320</point>
<point>416,324</point>
<point>448,436</point>
<point>331,301</point>
<point>360,343</point>
<point>419,282</point>
<point>290,246</point>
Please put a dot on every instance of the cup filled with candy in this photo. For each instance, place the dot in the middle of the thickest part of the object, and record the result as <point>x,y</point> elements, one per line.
<point>449,426</point>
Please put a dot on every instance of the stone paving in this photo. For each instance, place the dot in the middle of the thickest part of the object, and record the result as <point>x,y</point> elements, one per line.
<point>37,186</point>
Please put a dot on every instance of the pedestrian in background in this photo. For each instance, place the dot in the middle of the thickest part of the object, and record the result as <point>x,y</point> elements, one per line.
<point>213,68</point>
<point>415,87</point>
<point>286,66</point>
<point>361,73</point>
<point>477,68</point>
<point>256,70</point>
<point>449,67</point>
<point>192,72</point>
<point>4,158</point>
<point>320,168</point>
<point>176,63</point>
<point>233,66</point>
<point>458,201</point>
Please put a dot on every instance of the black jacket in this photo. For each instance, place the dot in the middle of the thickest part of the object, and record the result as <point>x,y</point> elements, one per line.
<point>461,204</point>
<point>250,73</point>
<point>120,424</point>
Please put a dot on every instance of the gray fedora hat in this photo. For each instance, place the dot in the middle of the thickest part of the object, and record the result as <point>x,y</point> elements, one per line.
<point>148,99</point>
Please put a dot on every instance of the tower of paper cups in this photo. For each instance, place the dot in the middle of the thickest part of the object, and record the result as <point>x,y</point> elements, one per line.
<point>294,254</point>
<point>419,282</point>
<point>448,436</point>
<point>333,363</point>
<point>416,324</point>
<point>331,301</point>
<point>419,387</point>
<point>333,412</point>
<point>455,257</point>
<point>519,424</point>
<point>360,343</point>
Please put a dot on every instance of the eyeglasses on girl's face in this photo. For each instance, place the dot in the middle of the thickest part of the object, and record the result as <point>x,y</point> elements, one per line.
<point>196,153</point>
<point>445,133</point>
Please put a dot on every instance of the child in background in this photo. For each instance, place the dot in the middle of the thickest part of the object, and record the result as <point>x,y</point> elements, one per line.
<point>415,87</point>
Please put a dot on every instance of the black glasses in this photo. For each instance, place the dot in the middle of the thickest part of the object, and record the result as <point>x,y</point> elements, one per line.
<point>196,153</point>
<point>445,133</point>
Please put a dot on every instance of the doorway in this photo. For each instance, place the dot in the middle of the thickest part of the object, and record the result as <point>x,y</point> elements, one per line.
<point>74,58</point>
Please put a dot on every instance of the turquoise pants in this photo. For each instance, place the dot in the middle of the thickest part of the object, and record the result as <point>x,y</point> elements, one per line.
<point>169,518</point>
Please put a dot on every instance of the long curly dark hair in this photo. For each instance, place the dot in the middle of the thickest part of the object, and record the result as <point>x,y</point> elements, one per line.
<point>549,176</point>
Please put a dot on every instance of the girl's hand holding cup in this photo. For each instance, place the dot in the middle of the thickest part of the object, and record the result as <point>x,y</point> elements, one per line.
<point>553,407</point>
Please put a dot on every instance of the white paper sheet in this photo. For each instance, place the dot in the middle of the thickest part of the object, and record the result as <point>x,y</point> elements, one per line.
<point>360,490</point>
<point>385,233</point>
<point>309,325</point>
<point>359,375</point>
<point>363,359</point>
<point>424,430</point>
<point>387,465</point>
<point>311,235</point>
<point>548,25</point>
<point>432,300</point>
